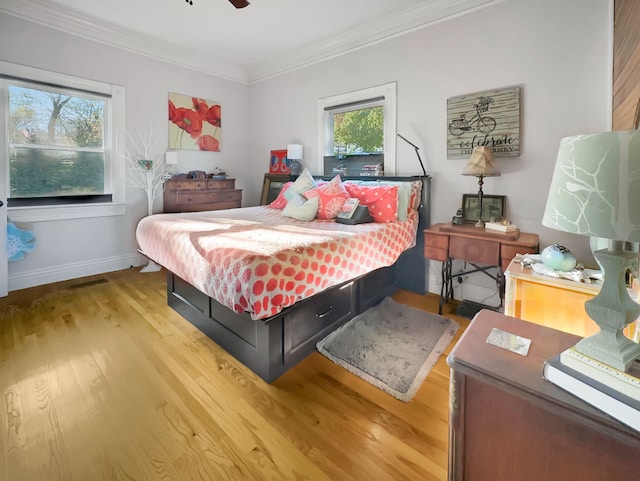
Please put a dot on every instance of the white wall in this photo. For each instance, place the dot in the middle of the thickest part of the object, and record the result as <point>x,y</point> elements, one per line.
<point>75,248</point>
<point>558,52</point>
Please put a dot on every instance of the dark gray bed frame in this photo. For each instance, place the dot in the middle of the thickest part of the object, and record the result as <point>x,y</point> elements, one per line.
<point>269,347</point>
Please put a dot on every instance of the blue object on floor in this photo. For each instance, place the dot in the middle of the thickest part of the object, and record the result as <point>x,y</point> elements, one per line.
<point>19,242</point>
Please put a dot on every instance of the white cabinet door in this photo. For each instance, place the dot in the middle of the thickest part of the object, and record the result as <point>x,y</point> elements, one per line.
<point>4,274</point>
<point>4,168</point>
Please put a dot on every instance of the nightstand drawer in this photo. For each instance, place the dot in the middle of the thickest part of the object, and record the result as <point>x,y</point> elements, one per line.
<point>208,197</point>
<point>507,253</point>
<point>436,247</point>
<point>480,251</point>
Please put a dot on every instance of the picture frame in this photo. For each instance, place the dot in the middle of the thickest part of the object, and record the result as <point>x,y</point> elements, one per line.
<point>279,163</point>
<point>194,123</point>
<point>271,186</point>
<point>490,117</point>
<point>492,206</point>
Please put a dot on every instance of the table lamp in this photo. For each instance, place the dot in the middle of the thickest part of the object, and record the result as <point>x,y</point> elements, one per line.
<point>294,154</point>
<point>480,165</point>
<point>595,191</point>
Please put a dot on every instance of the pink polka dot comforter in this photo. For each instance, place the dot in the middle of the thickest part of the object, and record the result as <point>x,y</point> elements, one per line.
<point>254,260</point>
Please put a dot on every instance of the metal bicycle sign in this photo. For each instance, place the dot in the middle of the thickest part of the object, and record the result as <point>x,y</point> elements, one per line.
<point>490,118</point>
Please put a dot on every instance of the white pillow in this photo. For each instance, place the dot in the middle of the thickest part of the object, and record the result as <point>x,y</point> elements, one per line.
<point>302,184</point>
<point>300,208</point>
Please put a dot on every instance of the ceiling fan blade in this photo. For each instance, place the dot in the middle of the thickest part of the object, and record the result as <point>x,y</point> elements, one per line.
<point>239,3</point>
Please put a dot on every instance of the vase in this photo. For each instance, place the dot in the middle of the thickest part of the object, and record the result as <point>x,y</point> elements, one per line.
<point>558,258</point>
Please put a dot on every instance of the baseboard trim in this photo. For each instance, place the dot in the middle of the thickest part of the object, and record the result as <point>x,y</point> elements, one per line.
<point>48,275</point>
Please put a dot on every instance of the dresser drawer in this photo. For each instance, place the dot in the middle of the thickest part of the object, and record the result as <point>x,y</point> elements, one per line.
<point>213,184</point>
<point>188,185</point>
<point>208,197</point>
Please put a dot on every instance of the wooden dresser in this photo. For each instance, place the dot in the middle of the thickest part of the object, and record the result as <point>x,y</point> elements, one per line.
<point>186,195</point>
<point>508,424</point>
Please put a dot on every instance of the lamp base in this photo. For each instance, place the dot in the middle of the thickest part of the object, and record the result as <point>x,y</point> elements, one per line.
<point>480,223</point>
<point>612,310</point>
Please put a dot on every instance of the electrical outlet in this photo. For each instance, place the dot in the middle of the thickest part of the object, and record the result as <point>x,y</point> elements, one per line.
<point>461,278</point>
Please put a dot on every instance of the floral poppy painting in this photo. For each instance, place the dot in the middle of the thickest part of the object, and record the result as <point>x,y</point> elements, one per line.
<point>194,123</point>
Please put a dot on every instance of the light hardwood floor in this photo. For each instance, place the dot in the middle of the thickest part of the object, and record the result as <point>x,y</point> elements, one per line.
<point>100,380</point>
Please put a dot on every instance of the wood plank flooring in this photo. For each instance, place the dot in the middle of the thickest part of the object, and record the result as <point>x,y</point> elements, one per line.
<point>100,380</point>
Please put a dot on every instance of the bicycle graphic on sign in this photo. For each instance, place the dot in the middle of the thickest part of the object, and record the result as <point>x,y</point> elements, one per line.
<point>479,122</point>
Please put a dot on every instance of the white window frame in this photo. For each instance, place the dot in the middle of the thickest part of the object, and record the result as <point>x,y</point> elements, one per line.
<point>113,145</point>
<point>325,121</point>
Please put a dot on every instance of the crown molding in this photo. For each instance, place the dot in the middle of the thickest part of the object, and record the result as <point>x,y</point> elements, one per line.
<point>74,23</point>
<point>384,29</point>
<point>47,14</point>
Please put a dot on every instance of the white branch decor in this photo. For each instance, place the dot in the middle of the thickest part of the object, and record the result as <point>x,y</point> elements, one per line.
<point>148,170</point>
<point>146,167</point>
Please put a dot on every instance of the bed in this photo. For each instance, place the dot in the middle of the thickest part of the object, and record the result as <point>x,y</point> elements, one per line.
<point>266,287</point>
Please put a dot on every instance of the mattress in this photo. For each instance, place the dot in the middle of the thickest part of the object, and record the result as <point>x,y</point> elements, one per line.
<point>254,260</point>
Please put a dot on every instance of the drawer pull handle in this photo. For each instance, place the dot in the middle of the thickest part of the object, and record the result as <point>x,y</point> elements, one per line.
<point>325,313</point>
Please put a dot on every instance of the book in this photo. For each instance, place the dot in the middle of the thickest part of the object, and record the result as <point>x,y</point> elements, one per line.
<point>499,227</point>
<point>626,382</point>
<point>617,405</point>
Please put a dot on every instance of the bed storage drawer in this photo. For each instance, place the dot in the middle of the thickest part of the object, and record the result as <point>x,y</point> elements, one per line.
<point>376,286</point>
<point>316,318</point>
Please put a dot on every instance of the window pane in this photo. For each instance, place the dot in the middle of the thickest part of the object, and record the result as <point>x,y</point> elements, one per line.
<point>50,118</point>
<point>38,172</point>
<point>359,131</point>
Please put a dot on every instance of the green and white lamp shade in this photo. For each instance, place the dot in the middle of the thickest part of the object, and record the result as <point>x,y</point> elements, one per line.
<point>595,191</point>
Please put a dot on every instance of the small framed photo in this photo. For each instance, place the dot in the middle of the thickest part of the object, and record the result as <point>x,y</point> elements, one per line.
<point>492,206</point>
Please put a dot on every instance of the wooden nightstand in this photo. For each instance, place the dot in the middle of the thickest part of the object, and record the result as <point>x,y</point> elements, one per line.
<point>483,250</point>
<point>552,302</point>
<point>187,195</point>
<point>507,423</point>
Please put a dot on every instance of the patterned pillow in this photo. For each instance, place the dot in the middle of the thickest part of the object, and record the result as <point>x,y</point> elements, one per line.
<point>382,200</point>
<point>281,200</point>
<point>331,198</point>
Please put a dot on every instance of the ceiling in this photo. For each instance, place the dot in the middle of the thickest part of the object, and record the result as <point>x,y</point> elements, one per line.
<point>265,39</point>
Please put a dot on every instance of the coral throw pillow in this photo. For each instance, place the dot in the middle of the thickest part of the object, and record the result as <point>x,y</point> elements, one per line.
<point>281,200</point>
<point>331,198</point>
<point>382,200</point>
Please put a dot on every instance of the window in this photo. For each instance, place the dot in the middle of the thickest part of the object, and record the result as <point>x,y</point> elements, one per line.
<point>60,136</point>
<point>362,122</point>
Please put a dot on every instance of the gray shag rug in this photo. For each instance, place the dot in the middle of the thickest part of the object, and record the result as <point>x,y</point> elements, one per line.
<point>391,345</point>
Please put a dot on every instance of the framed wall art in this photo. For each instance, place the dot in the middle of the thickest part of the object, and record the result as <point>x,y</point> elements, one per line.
<point>194,123</point>
<point>492,206</point>
<point>490,118</point>
<point>278,162</point>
